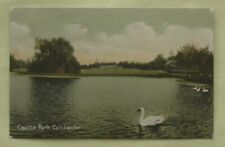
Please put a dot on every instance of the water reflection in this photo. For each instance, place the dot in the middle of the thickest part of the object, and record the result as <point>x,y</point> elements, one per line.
<point>195,113</point>
<point>49,98</point>
<point>50,104</point>
<point>103,110</point>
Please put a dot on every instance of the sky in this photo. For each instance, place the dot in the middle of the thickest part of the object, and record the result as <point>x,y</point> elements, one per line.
<point>111,35</point>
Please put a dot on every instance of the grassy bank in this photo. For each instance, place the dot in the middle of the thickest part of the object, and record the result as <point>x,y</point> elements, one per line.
<point>116,71</point>
<point>123,72</point>
<point>105,72</point>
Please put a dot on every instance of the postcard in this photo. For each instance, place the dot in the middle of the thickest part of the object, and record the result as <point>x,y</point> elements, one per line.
<point>115,73</point>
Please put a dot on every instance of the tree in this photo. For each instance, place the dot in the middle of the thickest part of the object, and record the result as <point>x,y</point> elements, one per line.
<point>13,64</point>
<point>205,61</point>
<point>192,57</point>
<point>158,63</point>
<point>17,63</point>
<point>187,56</point>
<point>55,55</point>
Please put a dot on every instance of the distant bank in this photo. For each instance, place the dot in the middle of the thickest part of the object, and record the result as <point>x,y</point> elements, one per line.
<point>117,72</point>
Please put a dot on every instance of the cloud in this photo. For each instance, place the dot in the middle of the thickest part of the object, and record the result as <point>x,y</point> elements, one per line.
<point>75,31</point>
<point>21,41</point>
<point>18,30</point>
<point>178,35</point>
<point>139,42</point>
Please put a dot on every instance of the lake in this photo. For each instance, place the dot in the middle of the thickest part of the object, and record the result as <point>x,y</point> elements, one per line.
<point>105,107</point>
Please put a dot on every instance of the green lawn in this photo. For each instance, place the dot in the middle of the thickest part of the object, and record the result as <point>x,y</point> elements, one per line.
<point>114,71</point>
<point>122,72</point>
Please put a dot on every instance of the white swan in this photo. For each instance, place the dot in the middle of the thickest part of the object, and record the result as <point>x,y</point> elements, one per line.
<point>195,88</point>
<point>198,89</point>
<point>150,120</point>
<point>205,90</point>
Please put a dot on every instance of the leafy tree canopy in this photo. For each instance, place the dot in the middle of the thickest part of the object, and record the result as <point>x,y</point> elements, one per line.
<point>192,57</point>
<point>55,55</point>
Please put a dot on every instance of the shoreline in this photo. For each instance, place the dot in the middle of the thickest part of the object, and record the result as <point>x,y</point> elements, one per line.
<point>154,74</point>
<point>157,75</point>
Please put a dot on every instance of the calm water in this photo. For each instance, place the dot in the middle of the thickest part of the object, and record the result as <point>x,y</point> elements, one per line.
<point>105,107</point>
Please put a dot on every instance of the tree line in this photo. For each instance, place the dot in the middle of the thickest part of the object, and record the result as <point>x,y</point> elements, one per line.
<point>188,60</point>
<point>51,55</point>
<point>56,55</point>
<point>188,57</point>
<point>158,63</point>
<point>17,63</point>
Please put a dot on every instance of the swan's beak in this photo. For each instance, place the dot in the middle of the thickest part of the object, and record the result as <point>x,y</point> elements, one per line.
<point>138,110</point>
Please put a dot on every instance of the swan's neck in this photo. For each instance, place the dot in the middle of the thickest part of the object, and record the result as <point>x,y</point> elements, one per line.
<point>142,115</point>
